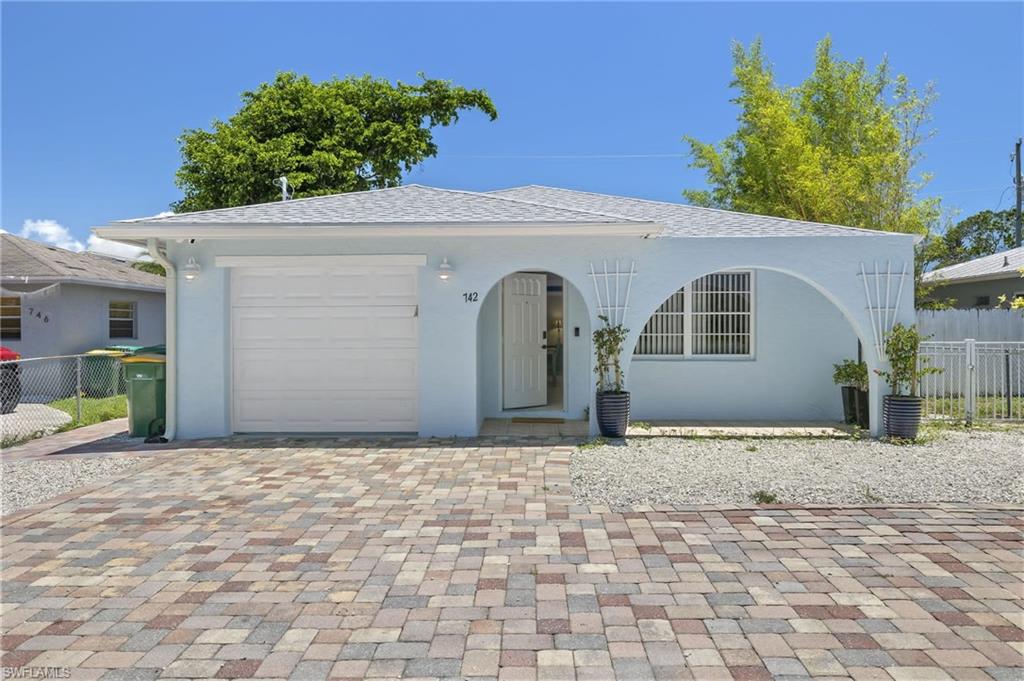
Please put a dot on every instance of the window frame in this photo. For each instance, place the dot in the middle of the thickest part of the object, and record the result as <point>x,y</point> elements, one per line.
<point>20,317</point>
<point>111,319</point>
<point>688,314</point>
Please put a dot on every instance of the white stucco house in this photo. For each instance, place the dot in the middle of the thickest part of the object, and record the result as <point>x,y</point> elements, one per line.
<point>425,310</point>
<point>59,302</point>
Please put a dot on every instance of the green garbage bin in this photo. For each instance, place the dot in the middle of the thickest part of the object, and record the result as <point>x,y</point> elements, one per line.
<point>102,372</point>
<point>145,379</point>
<point>126,350</point>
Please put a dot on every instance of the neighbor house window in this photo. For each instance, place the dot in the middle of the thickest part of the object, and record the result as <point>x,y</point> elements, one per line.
<point>712,317</point>
<point>122,320</point>
<point>981,301</point>
<point>10,317</point>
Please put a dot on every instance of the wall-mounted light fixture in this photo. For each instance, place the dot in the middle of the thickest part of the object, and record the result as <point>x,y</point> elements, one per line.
<point>191,269</point>
<point>445,271</point>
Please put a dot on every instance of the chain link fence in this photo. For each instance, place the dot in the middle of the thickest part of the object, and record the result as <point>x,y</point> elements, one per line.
<point>43,395</point>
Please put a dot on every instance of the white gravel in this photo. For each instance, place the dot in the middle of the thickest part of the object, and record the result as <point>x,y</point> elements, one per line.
<point>25,483</point>
<point>979,466</point>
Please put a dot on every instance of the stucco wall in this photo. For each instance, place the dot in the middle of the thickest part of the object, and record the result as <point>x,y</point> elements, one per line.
<point>74,318</point>
<point>967,293</point>
<point>798,336</point>
<point>450,403</point>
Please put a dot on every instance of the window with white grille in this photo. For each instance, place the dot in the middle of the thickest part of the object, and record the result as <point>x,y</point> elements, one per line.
<point>712,317</point>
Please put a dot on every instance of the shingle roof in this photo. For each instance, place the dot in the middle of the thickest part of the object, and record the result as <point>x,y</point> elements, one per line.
<point>679,220</point>
<point>996,266</point>
<point>20,258</point>
<point>410,203</point>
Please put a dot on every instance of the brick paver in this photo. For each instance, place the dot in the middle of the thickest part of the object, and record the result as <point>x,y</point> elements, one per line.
<point>321,559</point>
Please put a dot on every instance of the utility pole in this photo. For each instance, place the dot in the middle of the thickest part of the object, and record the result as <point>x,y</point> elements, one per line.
<point>1017,182</point>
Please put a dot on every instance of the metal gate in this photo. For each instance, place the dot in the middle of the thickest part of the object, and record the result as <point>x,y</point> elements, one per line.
<point>980,380</point>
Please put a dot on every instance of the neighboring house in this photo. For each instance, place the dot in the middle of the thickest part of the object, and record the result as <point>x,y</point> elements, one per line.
<point>426,310</point>
<point>58,302</point>
<point>979,282</point>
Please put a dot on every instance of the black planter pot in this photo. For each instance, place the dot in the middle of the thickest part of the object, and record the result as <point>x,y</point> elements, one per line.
<point>860,399</point>
<point>901,416</point>
<point>613,414</point>
<point>849,403</point>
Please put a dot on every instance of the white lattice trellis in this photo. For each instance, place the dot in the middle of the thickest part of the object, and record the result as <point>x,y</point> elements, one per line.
<point>611,291</point>
<point>883,290</point>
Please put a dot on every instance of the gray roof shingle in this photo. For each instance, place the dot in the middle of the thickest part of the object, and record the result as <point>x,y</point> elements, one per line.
<point>998,265</point>
<point>679,220</point>
<point>410,203</point>
<point>20,258</point>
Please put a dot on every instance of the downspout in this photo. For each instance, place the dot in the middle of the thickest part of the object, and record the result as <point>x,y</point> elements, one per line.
<point>171,332</point>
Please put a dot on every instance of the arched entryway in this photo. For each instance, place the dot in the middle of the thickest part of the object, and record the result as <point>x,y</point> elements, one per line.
<point>533,349</point>
<point>746,344</point>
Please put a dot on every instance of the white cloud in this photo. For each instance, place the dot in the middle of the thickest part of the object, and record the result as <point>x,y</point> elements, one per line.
<point>56,234</point>
<point>118,250</point>
<point>51,232</point>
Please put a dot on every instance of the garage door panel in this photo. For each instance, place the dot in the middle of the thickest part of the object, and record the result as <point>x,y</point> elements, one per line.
<point>325,350</point>
<point>317,286</point>
<point>354,410</point>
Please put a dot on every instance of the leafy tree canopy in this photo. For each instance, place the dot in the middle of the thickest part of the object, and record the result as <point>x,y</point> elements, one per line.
<point>983,233</point>
<point>336,136</point>
<point>841,147</point>
<point>150,266</point>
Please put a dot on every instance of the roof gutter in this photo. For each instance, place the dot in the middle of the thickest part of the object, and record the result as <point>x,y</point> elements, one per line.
<point>171,333</point>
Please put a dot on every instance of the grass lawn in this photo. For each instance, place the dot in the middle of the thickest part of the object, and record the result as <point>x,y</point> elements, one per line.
<point>987,407</point>
<point>94,409</point>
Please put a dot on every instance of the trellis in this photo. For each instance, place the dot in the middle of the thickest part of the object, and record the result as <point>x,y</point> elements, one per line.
<point>611,291</point>
<point>883,290</point>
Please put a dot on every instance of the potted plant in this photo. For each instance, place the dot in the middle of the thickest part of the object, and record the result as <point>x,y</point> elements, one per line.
<point>901,409</point>
<point>612,398</point>
<point>852,377</point>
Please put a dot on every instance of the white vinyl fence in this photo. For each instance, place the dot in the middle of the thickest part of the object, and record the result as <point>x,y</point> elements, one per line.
<point>980,380</point>
<point>981,324</point>
<point>42,395</point>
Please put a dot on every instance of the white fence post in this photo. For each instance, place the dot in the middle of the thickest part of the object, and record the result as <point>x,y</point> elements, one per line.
<point>971,382</point>
<point>78,388</point>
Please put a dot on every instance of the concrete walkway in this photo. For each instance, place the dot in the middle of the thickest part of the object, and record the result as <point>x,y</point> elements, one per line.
<point>313,559</point>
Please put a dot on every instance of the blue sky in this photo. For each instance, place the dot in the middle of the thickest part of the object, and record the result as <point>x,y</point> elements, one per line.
<point>94,95</point>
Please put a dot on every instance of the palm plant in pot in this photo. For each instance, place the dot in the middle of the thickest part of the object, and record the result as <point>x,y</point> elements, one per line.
<point>852,377</point>
<point>612,398</point>
<point>901,409</point>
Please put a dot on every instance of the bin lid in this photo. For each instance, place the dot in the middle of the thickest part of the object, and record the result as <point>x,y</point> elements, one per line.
<point>144,359</point>
<point>106,352</point>
<point>151,350</point>
<point>126,349</point>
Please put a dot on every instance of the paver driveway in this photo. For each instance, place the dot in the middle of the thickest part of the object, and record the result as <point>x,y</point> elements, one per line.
<point>329,560</point>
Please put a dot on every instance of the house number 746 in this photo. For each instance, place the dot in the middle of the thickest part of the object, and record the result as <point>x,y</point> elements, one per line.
<point>470,297</point>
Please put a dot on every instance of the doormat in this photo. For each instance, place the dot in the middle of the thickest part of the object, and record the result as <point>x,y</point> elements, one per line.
<point>526,419</point>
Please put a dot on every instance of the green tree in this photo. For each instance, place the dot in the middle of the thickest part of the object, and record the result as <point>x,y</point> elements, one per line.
<point>983,233</point>
<point>841,147</point>
<point>149,266</point>
<point>337,136</point>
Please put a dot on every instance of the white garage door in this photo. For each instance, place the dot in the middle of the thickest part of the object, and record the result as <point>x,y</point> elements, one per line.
<point>324,349</point>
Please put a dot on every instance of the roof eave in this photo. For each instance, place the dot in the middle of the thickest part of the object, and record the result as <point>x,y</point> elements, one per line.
<point>991,276</point>
<point>106,283</point>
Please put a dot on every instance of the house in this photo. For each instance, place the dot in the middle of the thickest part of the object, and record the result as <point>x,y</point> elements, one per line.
<point>979,283</point>
<point>58,302</point>
<point>425,310</point>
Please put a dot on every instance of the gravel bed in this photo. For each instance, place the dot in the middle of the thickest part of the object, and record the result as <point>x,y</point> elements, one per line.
<point>29,482</point>
<point>978,466</point>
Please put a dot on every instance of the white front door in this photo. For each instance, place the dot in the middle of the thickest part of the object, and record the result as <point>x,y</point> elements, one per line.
<point>524,334</point>
<point>324,349</point>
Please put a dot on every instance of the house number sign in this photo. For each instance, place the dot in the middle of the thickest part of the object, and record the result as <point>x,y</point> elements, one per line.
<point>470,296</point>
<point>39,314</point>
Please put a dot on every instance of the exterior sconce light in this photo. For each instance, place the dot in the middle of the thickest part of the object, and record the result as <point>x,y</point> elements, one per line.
<point>191,269</point>
<point>445,271</point>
